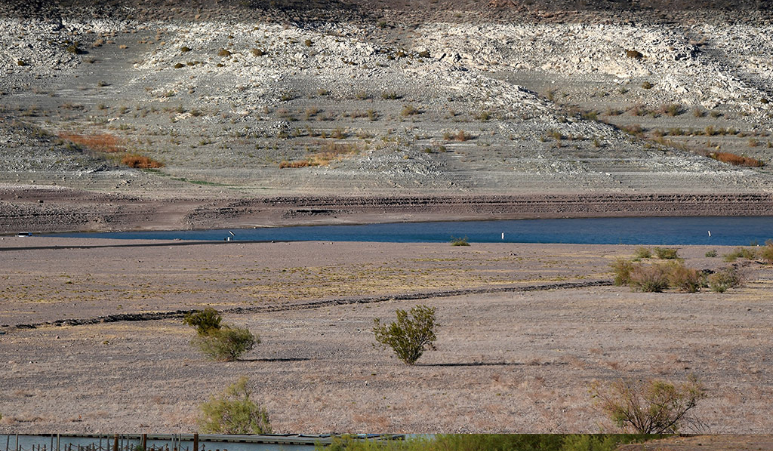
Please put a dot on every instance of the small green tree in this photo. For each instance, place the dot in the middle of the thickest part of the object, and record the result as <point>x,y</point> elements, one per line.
<point>622,269</point>
<point>649,278</point>
<point>651,407</point>
<point>227,343</point>
<point>685,279</point>
<point>766,253</point>
<point>219,342</point>
<point>234,412</point>
<point>666,253</point>
<point>408,337</point>
<point>205,321</point>
<point>724,279</point>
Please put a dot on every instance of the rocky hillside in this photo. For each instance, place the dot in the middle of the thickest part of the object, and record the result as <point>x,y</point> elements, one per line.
<point>396,97</point>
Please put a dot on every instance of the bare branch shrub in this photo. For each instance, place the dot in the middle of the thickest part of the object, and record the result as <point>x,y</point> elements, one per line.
<point>650,407</point>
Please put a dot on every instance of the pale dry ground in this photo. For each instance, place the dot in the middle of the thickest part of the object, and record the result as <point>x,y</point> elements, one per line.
<point>506,362</point>
<point>40,283</point>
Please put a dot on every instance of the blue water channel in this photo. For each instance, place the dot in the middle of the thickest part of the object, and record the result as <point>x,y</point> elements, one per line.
<point>711,230</point>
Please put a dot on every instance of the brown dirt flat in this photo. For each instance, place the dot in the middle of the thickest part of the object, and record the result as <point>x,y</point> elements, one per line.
<point>506,362</point>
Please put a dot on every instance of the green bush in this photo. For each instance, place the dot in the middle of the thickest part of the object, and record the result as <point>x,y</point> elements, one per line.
<point>216,341</point>
<point>766,253</point>
<point>234,413</point>
<point>650,278</point>
<point>724,279</point>
<point>74,48</point>
<point>740,252</point>
<point>204,321</point>
<point>651,407</point>
<point>227,343</point>
<point>622,269</point>
<point>408,337</point>
<point>643,252</point>
<point>459,241</point>
<point>712,253</point>
<point>470,442</point>
<point>666,253</point>
<point>685,279</point>
<point>390,95</point>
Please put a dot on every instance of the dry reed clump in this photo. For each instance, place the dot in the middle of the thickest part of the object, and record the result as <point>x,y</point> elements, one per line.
<point>140,162</point>
<point>296,164</point>
<point>100,142</point>
<point>737,160</point>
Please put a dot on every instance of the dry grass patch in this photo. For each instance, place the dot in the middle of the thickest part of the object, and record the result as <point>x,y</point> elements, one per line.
<point>103,142</point>
<point>140,162</point>
<point>737,160</point>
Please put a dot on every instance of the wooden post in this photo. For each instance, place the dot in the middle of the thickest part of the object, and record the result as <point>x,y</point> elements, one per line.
<point>144,443</point>
<point>195,442</point>
<point>115,443</point>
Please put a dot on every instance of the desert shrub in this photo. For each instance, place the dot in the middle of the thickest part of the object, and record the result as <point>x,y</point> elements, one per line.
<point>409,110</point>
<point>234,412</point>
<point>140,162</point>
<point>408,337</point>
<point>459,241</point>
<point>179,66</point>
<point>672,109</point>
<point>308,43</point>
<point>464,442</point>
<point>74,48</point>
<point>740,252</point>
<point>257,52</point>
<point>724,279</point>
<point>205,321</point>
<point>633,129</point>
<point>646,85</point>
<point>216,341</point>
<point>390,95</point>
<point>424,54</point>
<point>649,278</point>
<point>766,253</point>
<point>284,164</point>
<point>185,49</point>
<point>643,252</point>
<point>712,253</point>
<point>223,53</point>
<point>635,54</point>
<point>622,269</point>
<point>650,407</point>
<point>227,343</point>
<point>666,253</point>
<point>685,279</point>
